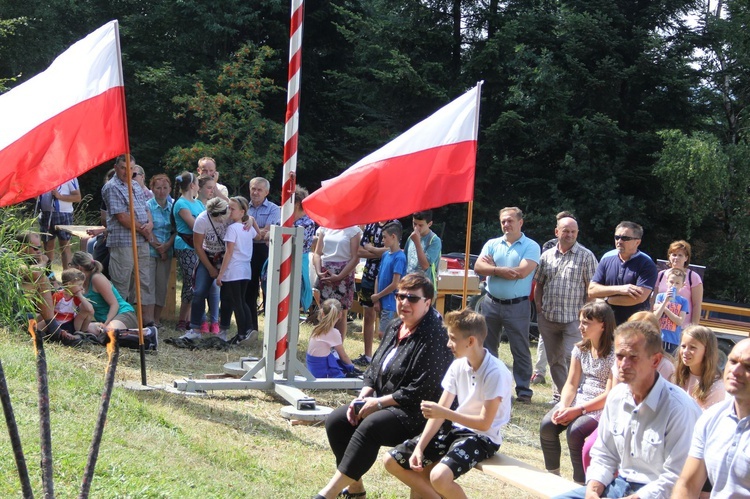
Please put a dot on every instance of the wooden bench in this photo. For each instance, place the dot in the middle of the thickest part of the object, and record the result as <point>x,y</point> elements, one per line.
<point>525,477</point>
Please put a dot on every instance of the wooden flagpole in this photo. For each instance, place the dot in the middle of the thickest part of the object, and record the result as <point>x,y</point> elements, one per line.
<point>134,245</point>
<point>471,205</point>
<point>466,254</point>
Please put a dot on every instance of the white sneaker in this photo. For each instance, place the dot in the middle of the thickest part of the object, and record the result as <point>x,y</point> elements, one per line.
<point>191,335</point>
<point>223,334</point>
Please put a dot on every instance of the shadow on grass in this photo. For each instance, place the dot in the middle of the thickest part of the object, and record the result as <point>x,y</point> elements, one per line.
<point>212,409</point>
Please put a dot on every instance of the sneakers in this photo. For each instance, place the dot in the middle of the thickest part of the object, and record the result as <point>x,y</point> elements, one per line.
<point>244,339</point>
<point>204,328</point>
<point>191,334</point>
<point>538,379</point>
<point>363,361</point>
<point>151,338</point>
<point>523,399</point>
<point>70,340</point>
<point>223,334</point>
<point>182,326</point>
<point>214,329</point>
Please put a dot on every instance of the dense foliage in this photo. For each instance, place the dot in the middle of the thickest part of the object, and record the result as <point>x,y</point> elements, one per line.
<point>610,108</point>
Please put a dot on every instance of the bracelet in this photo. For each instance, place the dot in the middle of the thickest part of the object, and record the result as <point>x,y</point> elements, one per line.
<point>380,405</point>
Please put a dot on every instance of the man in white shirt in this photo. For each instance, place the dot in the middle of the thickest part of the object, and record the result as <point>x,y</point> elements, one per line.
<point>645,428</point>
<point>721,439</point>
<point>207,166</point>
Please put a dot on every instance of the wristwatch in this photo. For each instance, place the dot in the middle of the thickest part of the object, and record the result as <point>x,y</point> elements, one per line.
<point>583,410</point>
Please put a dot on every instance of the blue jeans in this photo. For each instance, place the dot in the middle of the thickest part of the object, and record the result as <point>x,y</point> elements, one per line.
<point>618,488</point>
<point>204,288</point>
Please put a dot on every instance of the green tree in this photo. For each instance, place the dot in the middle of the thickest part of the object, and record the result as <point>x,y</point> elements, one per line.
<point>706,175</point>
<point>575,95</point>
<point>230,122</point>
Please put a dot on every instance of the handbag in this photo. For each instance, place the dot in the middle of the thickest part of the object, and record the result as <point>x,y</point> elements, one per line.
<point>218,257</point>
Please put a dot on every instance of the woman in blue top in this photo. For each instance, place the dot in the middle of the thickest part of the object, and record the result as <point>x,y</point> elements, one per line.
<point>110,310</point>
<point>161,242</point>
<point>185,209</point>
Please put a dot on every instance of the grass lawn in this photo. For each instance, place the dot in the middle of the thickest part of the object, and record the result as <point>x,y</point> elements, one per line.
<point>225,444</point>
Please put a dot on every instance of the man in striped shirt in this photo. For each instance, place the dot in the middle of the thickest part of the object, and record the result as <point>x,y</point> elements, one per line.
<point>562,280</point>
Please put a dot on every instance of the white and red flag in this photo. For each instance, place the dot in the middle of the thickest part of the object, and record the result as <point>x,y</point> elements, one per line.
<point>430,165</point>
<point>64,121</point>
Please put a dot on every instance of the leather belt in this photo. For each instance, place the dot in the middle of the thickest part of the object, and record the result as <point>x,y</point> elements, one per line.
<point>512,301</point>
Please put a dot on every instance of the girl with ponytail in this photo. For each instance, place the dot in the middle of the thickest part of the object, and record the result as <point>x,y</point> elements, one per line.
<point>326,357</point>
<point>184,211</point>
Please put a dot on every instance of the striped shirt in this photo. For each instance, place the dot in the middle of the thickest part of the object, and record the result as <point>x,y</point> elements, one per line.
<point>564,278</point>
<point>115,195</point>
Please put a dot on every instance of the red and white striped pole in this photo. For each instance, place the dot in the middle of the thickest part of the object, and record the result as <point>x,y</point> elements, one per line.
<point>291,129</point>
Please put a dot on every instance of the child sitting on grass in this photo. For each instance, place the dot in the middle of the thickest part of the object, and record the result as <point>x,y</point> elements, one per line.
<point>453,442</point>
<point>326,357</point>
<point>72,310</point>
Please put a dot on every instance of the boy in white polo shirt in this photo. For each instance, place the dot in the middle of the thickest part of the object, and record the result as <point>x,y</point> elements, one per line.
<point>453,442</point>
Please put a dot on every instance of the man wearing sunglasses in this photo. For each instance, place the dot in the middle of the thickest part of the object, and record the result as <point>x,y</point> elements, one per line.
<point>625,276</point>
<point>509,263</point>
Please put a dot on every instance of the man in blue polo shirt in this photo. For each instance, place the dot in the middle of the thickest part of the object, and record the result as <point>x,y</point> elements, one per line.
<point>509,263</point>
<point>625,276</point>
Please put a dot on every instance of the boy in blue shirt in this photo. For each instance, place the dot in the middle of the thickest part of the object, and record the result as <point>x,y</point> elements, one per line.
<point>453,442</point>
<point>671,309</point>
<point>392,267</point>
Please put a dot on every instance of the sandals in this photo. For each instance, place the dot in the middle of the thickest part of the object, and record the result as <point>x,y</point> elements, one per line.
<point>349,495</point>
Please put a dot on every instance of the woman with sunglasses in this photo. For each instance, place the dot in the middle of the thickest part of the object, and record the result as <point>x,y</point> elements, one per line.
<point>208,238</point>
<point>406,369</point>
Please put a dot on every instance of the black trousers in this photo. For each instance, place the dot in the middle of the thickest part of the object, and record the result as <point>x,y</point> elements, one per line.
<point>356,447</point>
<point>233,301</point>
<point>260,255</point>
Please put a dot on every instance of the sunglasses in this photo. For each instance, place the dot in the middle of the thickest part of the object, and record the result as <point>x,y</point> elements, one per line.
<point>625,238</point>
<point>135,174</point>
<point>409,298</point>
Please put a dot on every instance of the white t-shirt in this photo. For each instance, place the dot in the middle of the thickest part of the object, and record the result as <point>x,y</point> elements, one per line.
<point>337,243</point>
<point>211,242</point>
<point>320,346</point>
<point>239,266</point>
<point>472,389</point>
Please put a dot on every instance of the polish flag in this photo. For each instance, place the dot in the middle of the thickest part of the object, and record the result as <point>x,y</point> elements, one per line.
<point>64,121</point>
<point>429,166</point>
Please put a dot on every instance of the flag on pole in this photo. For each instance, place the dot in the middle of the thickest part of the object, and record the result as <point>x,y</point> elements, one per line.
<point>64,121</point>
<point>430,165</point>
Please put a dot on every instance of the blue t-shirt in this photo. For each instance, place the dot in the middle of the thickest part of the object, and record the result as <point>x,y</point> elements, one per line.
<point>390,263</point>
<point>432,246</point>
<point>670,331</point>
<point>162,225</point>
<point>195,208</point>
<point>510,256</point>
<point>639,270</point>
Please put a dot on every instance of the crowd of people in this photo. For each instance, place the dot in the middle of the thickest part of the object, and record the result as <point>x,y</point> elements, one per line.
<point>627,407</point>
<point>631,367</point>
